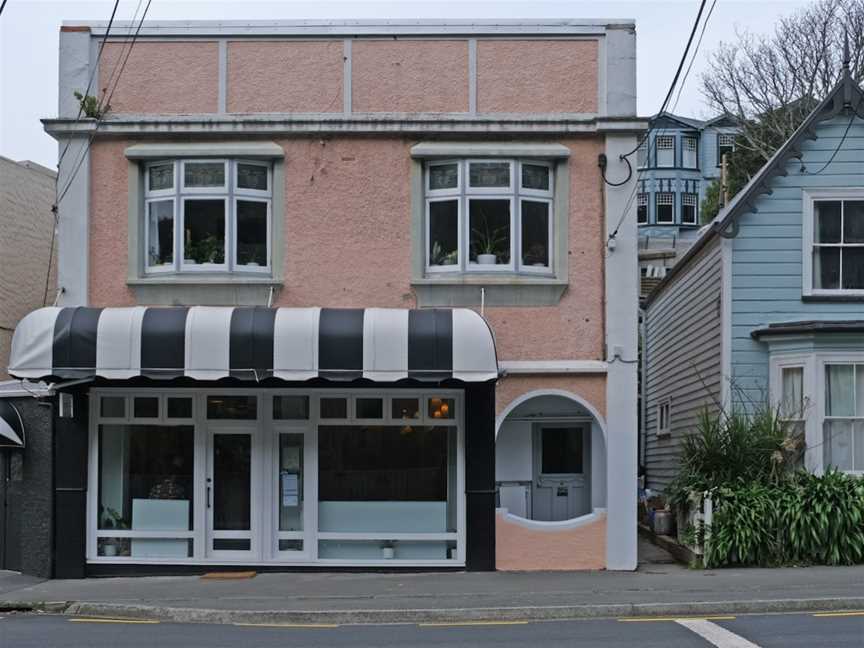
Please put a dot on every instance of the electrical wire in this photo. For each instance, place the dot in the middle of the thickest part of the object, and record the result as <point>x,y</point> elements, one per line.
<point>693,58</point>
<point>2,6</point>
<point>99,120</point>
<point>645,137</point>
<point>855,114</point>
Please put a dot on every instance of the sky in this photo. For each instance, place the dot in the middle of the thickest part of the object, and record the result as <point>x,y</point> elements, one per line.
<point>29,37</point>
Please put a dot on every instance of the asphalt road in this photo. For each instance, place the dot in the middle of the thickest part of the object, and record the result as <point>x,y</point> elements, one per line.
<point>837,630</point>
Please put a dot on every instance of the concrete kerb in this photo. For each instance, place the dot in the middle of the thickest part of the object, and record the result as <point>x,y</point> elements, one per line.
<point>360,617</point>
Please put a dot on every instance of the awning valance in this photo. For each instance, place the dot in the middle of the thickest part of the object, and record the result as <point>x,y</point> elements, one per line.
<point>11,426</point>
<point>253,343</point>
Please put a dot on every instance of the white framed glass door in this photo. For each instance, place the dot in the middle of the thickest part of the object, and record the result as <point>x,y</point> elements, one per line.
<point>230,484</point>
<point>290,482</point>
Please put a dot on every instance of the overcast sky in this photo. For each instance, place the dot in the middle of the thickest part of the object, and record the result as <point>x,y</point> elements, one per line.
<point>29,34</point>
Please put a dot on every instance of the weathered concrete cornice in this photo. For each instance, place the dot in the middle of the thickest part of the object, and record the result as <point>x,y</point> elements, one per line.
<point>357,123</point>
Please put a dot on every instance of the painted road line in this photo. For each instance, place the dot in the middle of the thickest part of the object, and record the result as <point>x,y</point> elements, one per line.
<point>287,625</point>
<point>650,619</point>
<point>461,624</point>
<point>716,635</point>
<point>101,620</point>
<point>839,614</point>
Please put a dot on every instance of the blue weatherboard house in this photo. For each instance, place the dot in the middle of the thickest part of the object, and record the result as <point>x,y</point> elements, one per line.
<point>767,305</point>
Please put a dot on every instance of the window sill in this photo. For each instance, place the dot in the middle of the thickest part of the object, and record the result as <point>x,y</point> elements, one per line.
<point>848,298</point>
<point>205,280</point>
<point>207,290</point>
<point>510,290</point>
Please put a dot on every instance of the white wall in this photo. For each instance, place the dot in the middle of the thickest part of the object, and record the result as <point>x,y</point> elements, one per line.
<point>513,452</point>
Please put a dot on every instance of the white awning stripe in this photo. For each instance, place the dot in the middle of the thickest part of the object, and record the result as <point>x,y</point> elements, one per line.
<point>208,332</point>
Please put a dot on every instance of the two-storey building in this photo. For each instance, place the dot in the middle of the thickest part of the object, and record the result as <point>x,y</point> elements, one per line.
<point>311,270</point>
<point>677,161</point>
<point>765,309</point>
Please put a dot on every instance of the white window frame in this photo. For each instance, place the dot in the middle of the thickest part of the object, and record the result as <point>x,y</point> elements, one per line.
<point>664,139</point>
<point>809,199</point>
<point>657,203</point>
<point>229,193</point>
<point>823,360</point>
<point>642,201</point>
<point>663,424</point>
<point>265,434</point>
<point>685,140</point>
<point>695,205</point>
<point>729,138</point>
<point>464,194</point>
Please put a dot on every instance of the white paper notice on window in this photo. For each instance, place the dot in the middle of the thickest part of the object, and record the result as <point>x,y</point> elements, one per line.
<point>290,492</point>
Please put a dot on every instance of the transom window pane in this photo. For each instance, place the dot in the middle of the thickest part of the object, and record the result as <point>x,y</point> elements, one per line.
<point>406,408</point>
<point>369,408</point>
<point>145,407</point>
<point>442,408</point>
<point>290,407</point>
<point>489,239</point>
<point>535,233</point>
<point>535,176</point>
<point>112,407</point>
<point>252,233</point>
<point>252,176</point>
<point>178,407</point>
<point>443,176</point>
<point>161,177</point>
<point>232,407</point>
<point>489,174</point>
<point>204,232</point>
<point>444,233</point>
<point>334,408</point>
<point>160,232</point>
<point>204,174</point>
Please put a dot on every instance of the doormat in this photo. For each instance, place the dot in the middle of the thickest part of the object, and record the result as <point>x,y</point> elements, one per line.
<point>229,575</point>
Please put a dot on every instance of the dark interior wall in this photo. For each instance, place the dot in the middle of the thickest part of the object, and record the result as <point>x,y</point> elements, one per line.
<point>70,488</point>
<point>28,478</point>
<point>480,476</point>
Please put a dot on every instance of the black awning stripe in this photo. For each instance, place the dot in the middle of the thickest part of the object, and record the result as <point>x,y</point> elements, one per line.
<point>74,347</point>
<point>340,343</point>
<point>430,343</point>
<point>163,342</point>
<point>251,342</point>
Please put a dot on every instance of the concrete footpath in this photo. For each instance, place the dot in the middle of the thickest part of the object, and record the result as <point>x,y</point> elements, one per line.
<point>655,589</point>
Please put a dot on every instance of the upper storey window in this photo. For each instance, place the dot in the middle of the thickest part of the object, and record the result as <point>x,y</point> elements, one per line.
<point>207,216</point>
<point>489,215</point>
<point>725,144</point>
<point>690,152</point>
<point>836,239</point>
<point>665,145</point>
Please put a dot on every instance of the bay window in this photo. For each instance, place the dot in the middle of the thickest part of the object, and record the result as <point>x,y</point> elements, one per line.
<point>207,215</point>
<point>665,208</point>
<point>665,145</point>
<point>489,216</point>
<point>690,152</point>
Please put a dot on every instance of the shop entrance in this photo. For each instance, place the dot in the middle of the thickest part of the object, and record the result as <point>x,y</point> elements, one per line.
<point>229,493</point>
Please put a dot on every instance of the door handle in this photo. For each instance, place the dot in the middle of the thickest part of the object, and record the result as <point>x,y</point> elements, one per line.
<point>209,493</point>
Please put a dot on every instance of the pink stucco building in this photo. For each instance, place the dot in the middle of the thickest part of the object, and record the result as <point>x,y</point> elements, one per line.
<point>383,188</point>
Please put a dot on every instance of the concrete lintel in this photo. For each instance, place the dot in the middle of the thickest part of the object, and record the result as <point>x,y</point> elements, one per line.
<point>268,150</point>
<point>537,367</point>
<point>481,149</point>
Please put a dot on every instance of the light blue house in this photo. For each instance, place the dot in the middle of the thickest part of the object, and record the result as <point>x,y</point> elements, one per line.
<point>768,303</point>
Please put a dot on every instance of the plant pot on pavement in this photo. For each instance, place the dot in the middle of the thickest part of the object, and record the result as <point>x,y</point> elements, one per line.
<point>663,522</point>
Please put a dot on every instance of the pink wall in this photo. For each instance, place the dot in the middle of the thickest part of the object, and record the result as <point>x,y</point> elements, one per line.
<point>537,76</point>
<point>163,77</point>
<point>347,240</point>
<point>520,549</point>
<point>286,76</point>
<point>591,388</point>
<point>409,76</point>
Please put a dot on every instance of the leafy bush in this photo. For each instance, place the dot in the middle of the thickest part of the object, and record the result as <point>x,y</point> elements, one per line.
<point>801,519</point>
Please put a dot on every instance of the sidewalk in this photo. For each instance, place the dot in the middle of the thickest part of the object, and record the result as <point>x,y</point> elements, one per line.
<point>662,589</point>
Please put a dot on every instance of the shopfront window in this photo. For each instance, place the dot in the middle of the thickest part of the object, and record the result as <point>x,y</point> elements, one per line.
<point>146,482</point>
<point>384,481</point>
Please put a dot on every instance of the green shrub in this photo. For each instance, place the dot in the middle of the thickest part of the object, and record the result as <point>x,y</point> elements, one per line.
<point>800,519</point>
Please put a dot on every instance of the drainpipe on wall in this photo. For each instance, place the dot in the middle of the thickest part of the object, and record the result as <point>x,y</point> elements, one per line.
<point>643,404</point>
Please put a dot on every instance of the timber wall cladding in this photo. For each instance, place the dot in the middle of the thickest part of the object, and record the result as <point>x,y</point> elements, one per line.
<point>387,75</point>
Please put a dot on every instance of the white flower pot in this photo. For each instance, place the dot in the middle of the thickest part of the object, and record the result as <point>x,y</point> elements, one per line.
<point>486,259</point>
<point>387,552</point>
<point>109,550</point>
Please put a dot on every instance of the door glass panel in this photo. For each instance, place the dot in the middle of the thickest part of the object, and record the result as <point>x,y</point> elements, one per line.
<point>232,484</point>
<point>561,451</point>
<point>290,494</point>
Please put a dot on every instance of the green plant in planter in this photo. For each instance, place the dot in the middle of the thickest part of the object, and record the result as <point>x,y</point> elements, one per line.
<point>491,241</point>
<point>207,250</point>
<point>439,257</point>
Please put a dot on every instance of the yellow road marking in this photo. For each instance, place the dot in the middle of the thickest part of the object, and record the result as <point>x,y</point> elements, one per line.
<point>839,614</point>
<point>100,620</point>
<point>288,625</point>
<point>470,623</point>
<point>701,618</point>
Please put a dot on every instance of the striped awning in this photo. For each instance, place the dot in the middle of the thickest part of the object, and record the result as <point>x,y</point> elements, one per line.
<point>209,343</point>
<point>11,426</point>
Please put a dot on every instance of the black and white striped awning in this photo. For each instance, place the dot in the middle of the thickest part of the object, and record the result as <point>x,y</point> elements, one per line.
<point>209,343</point>
<point>11,426</point>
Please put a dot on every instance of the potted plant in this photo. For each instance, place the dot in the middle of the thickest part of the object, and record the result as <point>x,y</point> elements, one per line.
<point>439,257</point>
<point>113,520</point>
<point>488,244</point>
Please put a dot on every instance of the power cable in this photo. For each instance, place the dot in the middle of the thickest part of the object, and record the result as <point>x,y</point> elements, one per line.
<point>2,6</point>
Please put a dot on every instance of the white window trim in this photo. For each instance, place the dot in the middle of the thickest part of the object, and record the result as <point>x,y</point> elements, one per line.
<point>205,267</point>
<point>265,431</point>
<point>266,269</point>
<point>809,198</point>
<point>667,430</point>
<point>464,195</point>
